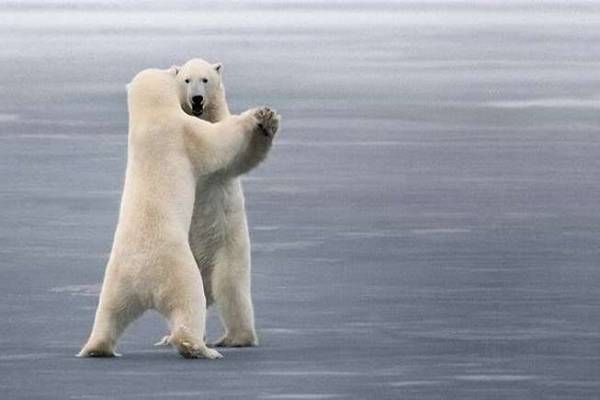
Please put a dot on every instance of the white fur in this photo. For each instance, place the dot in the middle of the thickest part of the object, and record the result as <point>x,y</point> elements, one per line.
<point>219,231</point>
<point>151,265</point>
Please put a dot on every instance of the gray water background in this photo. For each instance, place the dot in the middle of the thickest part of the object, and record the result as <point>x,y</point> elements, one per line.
<point>426,226</point>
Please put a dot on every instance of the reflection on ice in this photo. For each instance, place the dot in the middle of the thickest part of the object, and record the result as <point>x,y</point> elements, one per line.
<point>560,103</point>
<point>78,290</point>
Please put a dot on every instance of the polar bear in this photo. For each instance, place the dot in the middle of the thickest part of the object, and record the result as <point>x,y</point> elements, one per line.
<point>151,265</point>
<point>219,236</point>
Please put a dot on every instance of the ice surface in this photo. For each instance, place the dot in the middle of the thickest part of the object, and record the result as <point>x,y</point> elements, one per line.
<point>427,226</point>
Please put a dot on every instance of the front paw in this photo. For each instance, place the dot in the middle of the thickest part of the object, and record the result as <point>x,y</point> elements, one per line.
<point>267,121</point>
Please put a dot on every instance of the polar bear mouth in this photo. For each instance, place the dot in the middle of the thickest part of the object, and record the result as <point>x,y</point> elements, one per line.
<point>197,105</point>
<point>197,110</point>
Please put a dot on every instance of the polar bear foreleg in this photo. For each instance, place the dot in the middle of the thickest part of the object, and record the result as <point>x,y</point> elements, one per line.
<point>260,125</point>
<point>235,145</point>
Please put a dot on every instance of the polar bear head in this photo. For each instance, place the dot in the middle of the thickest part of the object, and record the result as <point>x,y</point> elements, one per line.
<point>199,82</point>
<point>153,89</point>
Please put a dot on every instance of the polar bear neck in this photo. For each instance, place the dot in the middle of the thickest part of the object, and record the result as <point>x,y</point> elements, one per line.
<point>153,91</point>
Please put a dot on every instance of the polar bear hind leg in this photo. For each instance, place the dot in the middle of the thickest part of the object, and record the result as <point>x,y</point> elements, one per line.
<point>184,306</point>
<point>231,289</point>
<point>185,336</point>
<point>111,320</point>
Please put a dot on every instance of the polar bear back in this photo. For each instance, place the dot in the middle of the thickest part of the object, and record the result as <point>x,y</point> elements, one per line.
<point>158,194</point>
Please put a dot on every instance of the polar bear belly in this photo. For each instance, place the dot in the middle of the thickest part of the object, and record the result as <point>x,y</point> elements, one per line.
<point>214,205</point>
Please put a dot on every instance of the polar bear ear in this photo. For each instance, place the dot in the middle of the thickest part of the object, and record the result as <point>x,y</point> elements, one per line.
<point>217,67</point>
<point>174,70</point>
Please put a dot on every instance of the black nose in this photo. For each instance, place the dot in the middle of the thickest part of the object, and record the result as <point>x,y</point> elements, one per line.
<point>197,100</point>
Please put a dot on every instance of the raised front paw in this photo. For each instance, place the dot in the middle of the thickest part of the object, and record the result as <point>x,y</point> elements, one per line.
<point>267,121</point>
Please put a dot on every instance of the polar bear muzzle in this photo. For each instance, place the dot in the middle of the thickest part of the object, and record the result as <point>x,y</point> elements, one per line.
<point>197,105</point>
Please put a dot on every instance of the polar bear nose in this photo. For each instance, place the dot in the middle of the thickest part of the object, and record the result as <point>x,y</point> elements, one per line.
<point>197,99</point>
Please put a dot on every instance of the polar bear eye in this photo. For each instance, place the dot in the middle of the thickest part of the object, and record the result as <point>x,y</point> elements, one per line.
<point>204,80</point>
<point>187,81</point>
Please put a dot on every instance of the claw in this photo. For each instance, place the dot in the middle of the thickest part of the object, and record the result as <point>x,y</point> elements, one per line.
<point>163,342</point>
<point>267,121</point>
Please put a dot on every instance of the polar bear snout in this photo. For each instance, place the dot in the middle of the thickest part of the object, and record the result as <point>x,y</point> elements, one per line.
<point>197,105</point>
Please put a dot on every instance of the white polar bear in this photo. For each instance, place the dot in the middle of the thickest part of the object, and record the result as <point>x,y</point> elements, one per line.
<point>151,265</point>
<point>219,231</point>
<point>219,236</point>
